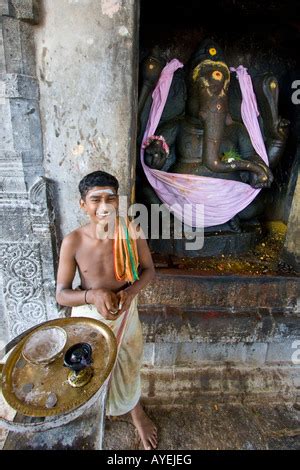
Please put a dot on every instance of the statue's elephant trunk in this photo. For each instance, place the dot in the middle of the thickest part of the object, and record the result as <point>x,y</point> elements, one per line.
<point>208,102</point>
<point>214,118</point>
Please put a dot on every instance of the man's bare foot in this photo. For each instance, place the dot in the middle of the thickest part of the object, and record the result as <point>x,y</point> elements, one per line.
<point>145,427</point>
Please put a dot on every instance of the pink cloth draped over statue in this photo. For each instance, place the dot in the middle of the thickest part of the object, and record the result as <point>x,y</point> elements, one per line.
<point>222,199</point>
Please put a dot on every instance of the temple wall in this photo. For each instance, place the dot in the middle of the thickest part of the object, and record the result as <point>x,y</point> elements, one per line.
<point>85,57</point>
<point>68,99</point>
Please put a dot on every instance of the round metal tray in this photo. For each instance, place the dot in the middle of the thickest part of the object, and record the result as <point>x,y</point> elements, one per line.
<point>26,387</point>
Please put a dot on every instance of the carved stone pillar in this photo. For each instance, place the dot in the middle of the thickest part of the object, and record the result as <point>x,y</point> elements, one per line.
<point>27,254</point>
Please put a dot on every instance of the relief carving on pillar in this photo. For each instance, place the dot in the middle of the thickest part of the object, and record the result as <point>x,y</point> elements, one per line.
<point>22,286</point>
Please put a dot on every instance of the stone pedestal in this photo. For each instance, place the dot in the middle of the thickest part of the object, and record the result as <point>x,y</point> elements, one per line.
<point>83,433</point>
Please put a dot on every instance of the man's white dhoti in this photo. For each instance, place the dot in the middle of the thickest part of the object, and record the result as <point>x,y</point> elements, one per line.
<point>125,384</point>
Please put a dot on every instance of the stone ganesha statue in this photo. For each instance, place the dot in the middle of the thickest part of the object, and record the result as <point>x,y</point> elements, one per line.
<point>203,127</point>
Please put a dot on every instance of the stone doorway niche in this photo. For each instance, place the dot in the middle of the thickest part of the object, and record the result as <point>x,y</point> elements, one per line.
<point>260,40</point>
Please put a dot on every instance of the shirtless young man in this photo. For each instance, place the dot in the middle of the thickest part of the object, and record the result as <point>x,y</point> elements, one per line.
<point>104,297</point>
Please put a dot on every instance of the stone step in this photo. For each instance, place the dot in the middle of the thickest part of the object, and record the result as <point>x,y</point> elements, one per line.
<point>227,383</point>
<point>177,336</point>
<point>181,324</point>
<point>197,354</point>
<point>179,289</point>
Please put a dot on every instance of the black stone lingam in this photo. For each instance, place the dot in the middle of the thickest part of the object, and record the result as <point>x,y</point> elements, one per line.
<point>78,358</point>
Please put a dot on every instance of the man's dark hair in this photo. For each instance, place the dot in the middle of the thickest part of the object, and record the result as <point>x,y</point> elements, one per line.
<point>97,178</point>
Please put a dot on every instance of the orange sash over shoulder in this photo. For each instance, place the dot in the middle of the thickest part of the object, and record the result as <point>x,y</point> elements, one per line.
<point>125,252</point>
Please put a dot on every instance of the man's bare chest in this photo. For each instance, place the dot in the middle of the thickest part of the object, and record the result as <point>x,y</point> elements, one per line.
<point>95,257</point>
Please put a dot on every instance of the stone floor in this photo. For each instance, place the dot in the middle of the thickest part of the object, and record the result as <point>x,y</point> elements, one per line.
<point>213,426</point>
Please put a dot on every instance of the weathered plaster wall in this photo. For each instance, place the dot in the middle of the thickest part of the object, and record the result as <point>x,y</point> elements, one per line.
<point>291,252</point>
<point>85,53</point>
